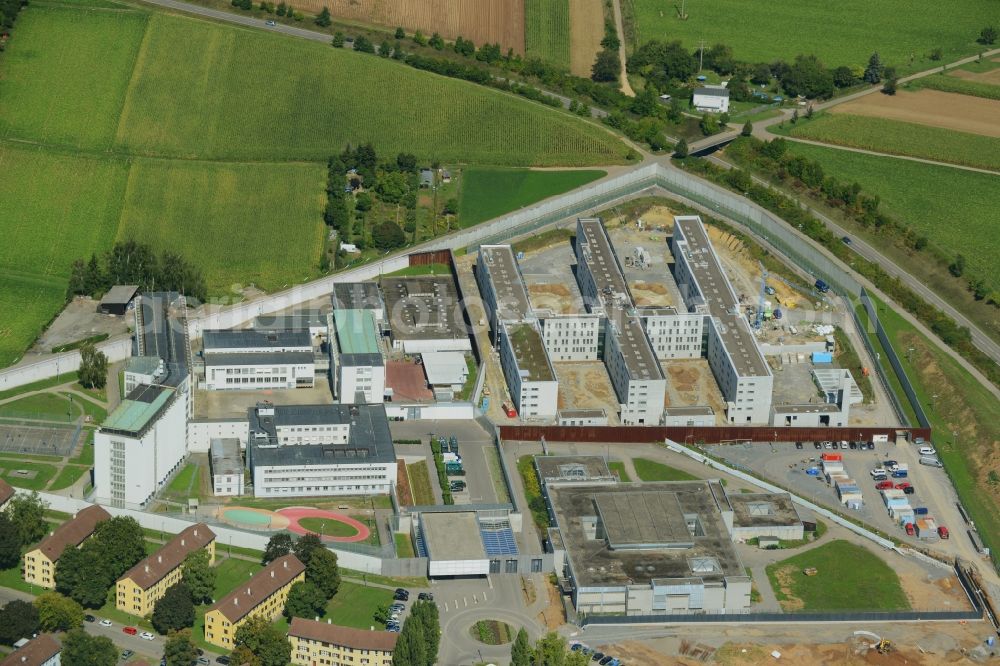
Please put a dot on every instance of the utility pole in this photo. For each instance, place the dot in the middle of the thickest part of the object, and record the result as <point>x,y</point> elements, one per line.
<point>684,15</point>
<point>701,55</point>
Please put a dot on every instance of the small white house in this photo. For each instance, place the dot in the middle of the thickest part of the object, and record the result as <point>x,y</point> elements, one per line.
<point>714,99</point>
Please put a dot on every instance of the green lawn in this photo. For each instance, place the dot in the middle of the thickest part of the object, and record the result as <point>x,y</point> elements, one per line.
<point>404,545</point>
<point>181,485</point>
<point>923,195</point>
<point>43,406</point>
<point>849,577</point>
<point>68,475</point>
<point>420,484</point>
<point>897,138</point>
<point>96,413</point>
<point>963,417</point>
<point>947,83</point>
<point>618,468</point>
<point>533,491</point>
<point>488,193</point>
<point>200,209</point>
<point>65,76</point>
<point>650,470</point>
<point>842,33</point>
<point>86,456</point>
<point>546,31</point>
<point>43,474</point>
<point>422,269</point>
<point>354,605</point>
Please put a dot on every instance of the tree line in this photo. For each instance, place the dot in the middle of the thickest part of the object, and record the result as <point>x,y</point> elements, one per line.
<point>131,262</point>
<point>9,9</point>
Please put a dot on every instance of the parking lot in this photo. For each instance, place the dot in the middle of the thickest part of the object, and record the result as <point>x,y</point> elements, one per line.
<point>787,465</point>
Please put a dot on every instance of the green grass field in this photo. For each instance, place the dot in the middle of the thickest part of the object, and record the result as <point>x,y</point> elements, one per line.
<point>842,33</point>
<point>44,406</point>
<point>199,208</point>
<point>849,577</point>
<point>650,470</point>
<point>325,527</point>
<point>404,545</point>
<point>43,474</point>
<point>923,195</point>
<point>898,138</point>
<point>67,476</point>
<point>946,83</point>
<point>618,468</point>
<point>420,484</point>
<point>66,73</point>
<point>546,31</point>
<point>183,484</point>
<point>209,103</point>
<point>354,605</point>
<point>488,193</point>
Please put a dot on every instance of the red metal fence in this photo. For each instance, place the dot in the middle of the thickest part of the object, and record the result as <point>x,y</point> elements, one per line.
<point>699,434</point>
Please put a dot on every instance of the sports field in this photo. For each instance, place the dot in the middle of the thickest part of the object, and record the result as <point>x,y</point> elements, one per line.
<point>254,223</point>
<point>546,31</point>
<point>487,193</point>
<point>900,138</point>
<point>840,33</point>
<point>955,209</point>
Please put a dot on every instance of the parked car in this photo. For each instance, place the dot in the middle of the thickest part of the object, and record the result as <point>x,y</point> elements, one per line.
<point>597,656</point>
<point>269,23</point>
<point>889,464</point>
<point>846,240</point>
<point>131,631</point>
<point>822,287</point>
<point>883,485</point>
<point>401,595</point>
<point>89,618</point>
<point>817,445</point>
<point>828,445</point>
<point>927,451</point>
<point>105,623</point>
<point>224,660</point>
<point>878,471</point>
<point>902,485</point>
<point>853,446</point>
<point>921,511</point>
<point>871,446</point>
<point>126,654</point>
<point>943,532</point>
<point>576,647</point>
<point>798,445</point>
<point>426,596</point>
<point>606,660</point>
<point>509,411</point>
<point>909,529</point>
<point>878,478</point>
<point>202,661</point>
<point>909,490</point>
<point>930,461</point>
<point>146,636</point>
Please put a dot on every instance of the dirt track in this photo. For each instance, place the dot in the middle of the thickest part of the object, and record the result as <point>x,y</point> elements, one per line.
<point>586,30</point>
<point>931,107</point>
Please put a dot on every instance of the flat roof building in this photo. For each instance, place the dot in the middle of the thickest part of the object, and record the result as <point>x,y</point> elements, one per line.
<point>314,321</point>
<point>227,466</point>
<point>649,548</point>
<point>314,450</point>
<point>755,515</point>
<point>359,376</point>
<point>359,296</point>
<point>501,285</point>
<point>425,314</point>
<point>249,341</point>
<point>739,367</point>
<point>251,359</point>
<point>117,300</point>
<point>530,376</point>
<point>555,470</point>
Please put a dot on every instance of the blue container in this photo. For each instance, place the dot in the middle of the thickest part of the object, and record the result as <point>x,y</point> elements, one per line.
<point>822,357</point>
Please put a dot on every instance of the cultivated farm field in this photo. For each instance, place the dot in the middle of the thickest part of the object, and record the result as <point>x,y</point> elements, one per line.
<point>248,223</point>
<point>487,193</point>
<point>482,21</point>
<point>586,32</point>
<point>547,31</point>
<point>840,33</point>
<point>931,107</point>
<point>301,101</point>
<point>899,138</point>
<point>954,209</point>
<point>960,85</point>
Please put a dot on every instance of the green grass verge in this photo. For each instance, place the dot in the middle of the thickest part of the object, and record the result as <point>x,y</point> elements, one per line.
<point>43,474</point>
<point>546,31</point>
<point>952,84</point>
<point>199,210</point>
<point>96,413</point>
<point>93,339</point>
<point>923,195</point>
<point>650,470</point>
<point>489,193</point>
<point>963,418</point>
<point>65,378</point>
<point>68,475</point>
<point>181,485</point>
<point>543,240</point>
<point>849,577</point>
<point>533,492</point>
<point>353,606</point>
<point>332,503</point>
<point>404,545</point>
<point>847,357</point>
<point>834,32</point>
<point>898,138</point>
<point>420,484</point>
<point>11,458</point>
<point>424,269</point>
<point>86,456</point>
<point>42,406</point>
<point>618,468</point>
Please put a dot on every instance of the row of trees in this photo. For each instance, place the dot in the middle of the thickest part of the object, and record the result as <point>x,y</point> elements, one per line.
<point>9,9</point>
<point>131,262</point>
<point>175,610</point>
<point>50,611</point>
<point>85,574</point>
<point>420,637</point>
<point>549,650</point>
<point>307,598</point>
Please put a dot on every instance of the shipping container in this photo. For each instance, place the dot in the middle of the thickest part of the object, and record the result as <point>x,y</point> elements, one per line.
<point>832,456</point>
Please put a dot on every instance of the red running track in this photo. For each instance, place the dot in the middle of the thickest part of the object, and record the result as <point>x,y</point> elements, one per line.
<point>296,513</point>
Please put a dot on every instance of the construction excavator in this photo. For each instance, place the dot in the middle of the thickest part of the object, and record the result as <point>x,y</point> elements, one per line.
<point>884,646</point>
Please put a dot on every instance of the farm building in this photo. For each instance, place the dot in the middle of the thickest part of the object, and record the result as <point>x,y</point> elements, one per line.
<point>714,99</point>
<point>118,299</point>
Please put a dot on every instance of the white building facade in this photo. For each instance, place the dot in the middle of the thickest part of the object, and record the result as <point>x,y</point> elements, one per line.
<point>572,337</point>
<point>530,377</point>
<point>674,335</point>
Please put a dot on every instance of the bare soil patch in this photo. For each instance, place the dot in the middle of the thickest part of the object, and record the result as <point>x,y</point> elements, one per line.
<point>586,30</point>
<point>555,297</point>
<point>634,652</point>
<point>934,108</point>
<point>689,383</point>
<point>554,615</point>
<point>650,293</point>
<point>784,577</point>
<point>992,77</point>
<point>479,20</point>
<point>585,386</point>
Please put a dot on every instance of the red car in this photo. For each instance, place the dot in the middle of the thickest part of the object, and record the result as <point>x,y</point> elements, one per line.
<point>883,485</point>
<point>509,411</point>
<point>909,529</point>
<point>903,485</point>
<point>943,532</point>
<point>131,631</point>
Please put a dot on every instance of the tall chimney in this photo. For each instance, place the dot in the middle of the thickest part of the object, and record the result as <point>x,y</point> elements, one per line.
<point>272,573</point>
<point>147,568</point>
<point>183,541</point>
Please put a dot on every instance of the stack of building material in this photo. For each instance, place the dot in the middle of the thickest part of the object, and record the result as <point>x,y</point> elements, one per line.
<point>902,514</point>
<point>849,493</point>
<point>832,468</point>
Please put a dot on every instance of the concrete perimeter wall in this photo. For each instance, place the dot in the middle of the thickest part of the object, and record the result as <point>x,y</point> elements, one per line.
<point>116,349</point>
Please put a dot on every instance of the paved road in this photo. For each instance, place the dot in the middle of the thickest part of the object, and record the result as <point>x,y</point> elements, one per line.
<point>863,249</point>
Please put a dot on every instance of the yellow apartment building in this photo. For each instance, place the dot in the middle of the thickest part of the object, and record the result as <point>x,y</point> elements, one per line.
<point>139,588</point>
<point>40,561</point>
<point>323,644</point>
<point>264,595</point>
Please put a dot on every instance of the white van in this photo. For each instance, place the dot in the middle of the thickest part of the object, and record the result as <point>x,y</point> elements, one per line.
<point>927,451</point>
<point>930,461</point>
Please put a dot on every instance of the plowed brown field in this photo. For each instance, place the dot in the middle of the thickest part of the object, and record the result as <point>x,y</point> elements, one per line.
<point>931,107</point>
